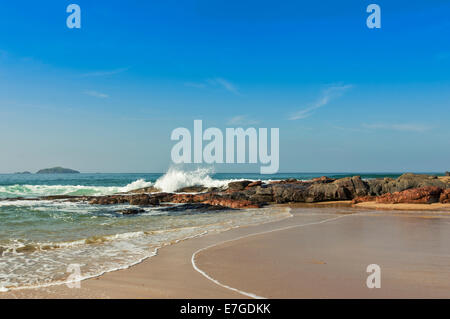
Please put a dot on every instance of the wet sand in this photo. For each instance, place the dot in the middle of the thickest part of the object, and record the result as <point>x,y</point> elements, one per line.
<point>401,206</point>
<point>318,253</point>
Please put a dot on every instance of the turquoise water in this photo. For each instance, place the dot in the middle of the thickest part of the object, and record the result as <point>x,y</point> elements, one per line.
<point>40,239</point>
<point>16,185</point>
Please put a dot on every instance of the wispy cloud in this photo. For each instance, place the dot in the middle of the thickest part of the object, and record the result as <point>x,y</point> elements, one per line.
<point>104,72</point>
<point>96,94</point>
<point>403,127</point>
<point>227,85</point>
<point>241,120</point>
<point>215,82</point>
<point>327,96</point>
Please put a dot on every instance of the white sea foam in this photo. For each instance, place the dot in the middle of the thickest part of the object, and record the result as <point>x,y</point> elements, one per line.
<point>140,183</point>
<point>175,179</point>
<point>46,267</point>
<point>52,190</point>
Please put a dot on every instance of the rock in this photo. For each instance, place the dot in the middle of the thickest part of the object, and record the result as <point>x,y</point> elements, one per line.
<point>345,188</point>
<point>58,197</point>
<point>144,200</point>
<point>362,199</point>
<point>199,207</point>
<point>238,186</point>
<point>262,195</point>
<point>404,182</point>
<point>445,196</point>
<point>137,199</point>
<point>150,189</point>
<point>57,170</point>
<point>192,189</point>
<point>323,179</point>
<point>131,211</point>
<point>423,195</point>
<point>447,173</point>
<point>232,203</point>
<point>287,181</point>
<point>288,193</point>
<point>254,184</point>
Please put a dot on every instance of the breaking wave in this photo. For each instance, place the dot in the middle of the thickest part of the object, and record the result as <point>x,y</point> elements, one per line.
<point>72,190</point>
<point>175,179</point>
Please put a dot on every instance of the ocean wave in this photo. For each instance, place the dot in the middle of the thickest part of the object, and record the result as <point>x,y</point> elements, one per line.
<point>35,264</point>
<point>171,181</point>
<point>176,178</point>
<point>71,190</point>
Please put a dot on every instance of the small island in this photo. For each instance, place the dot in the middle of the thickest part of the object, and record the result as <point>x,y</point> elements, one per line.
<point>57,170</point>
<point>22,173</point>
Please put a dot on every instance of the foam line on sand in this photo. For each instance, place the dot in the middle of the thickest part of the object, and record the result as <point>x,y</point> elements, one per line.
<point>248,294</point>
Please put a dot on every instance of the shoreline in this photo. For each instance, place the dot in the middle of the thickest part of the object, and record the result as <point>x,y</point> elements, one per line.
<point>170,274</point>
<point>154,253</point>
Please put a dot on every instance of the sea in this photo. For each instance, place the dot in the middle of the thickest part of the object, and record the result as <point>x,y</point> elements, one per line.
<point>43,241</point>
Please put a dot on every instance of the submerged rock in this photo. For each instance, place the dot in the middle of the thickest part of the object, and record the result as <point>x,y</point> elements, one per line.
<point>199,207</point>
<point>131,211</point>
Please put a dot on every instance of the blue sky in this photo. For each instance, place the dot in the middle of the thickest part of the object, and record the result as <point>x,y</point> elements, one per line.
<point>106,97</point>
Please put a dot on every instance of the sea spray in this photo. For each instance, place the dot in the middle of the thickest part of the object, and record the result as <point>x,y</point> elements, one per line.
<point>176,178</point>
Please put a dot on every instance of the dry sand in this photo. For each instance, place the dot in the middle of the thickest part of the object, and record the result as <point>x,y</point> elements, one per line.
<point>318,253</point>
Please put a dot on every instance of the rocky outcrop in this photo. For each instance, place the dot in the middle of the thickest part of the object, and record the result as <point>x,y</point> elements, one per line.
<point>150,189</point>
<point>423,195</point>
<point>408,188</point>
<point>288,193</point>
<point>138,199</point>
<point>342,189</point>
<point>254,184</point>
<point>323,179</point>
<point>238,186</point>
<point>445,196</point>
<point>192,189</point>
<point>447,173</point>
<point>198,207</point>
<point>404,182</point>
<point>235,200</point>
<point>362,199</point>
<point>287,181</point>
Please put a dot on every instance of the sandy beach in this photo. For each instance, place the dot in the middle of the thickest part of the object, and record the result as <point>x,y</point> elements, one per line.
<point>317,253</point>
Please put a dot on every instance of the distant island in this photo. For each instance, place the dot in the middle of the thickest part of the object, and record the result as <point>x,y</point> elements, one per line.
<point>57,170</point>
<point>23,173</point>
